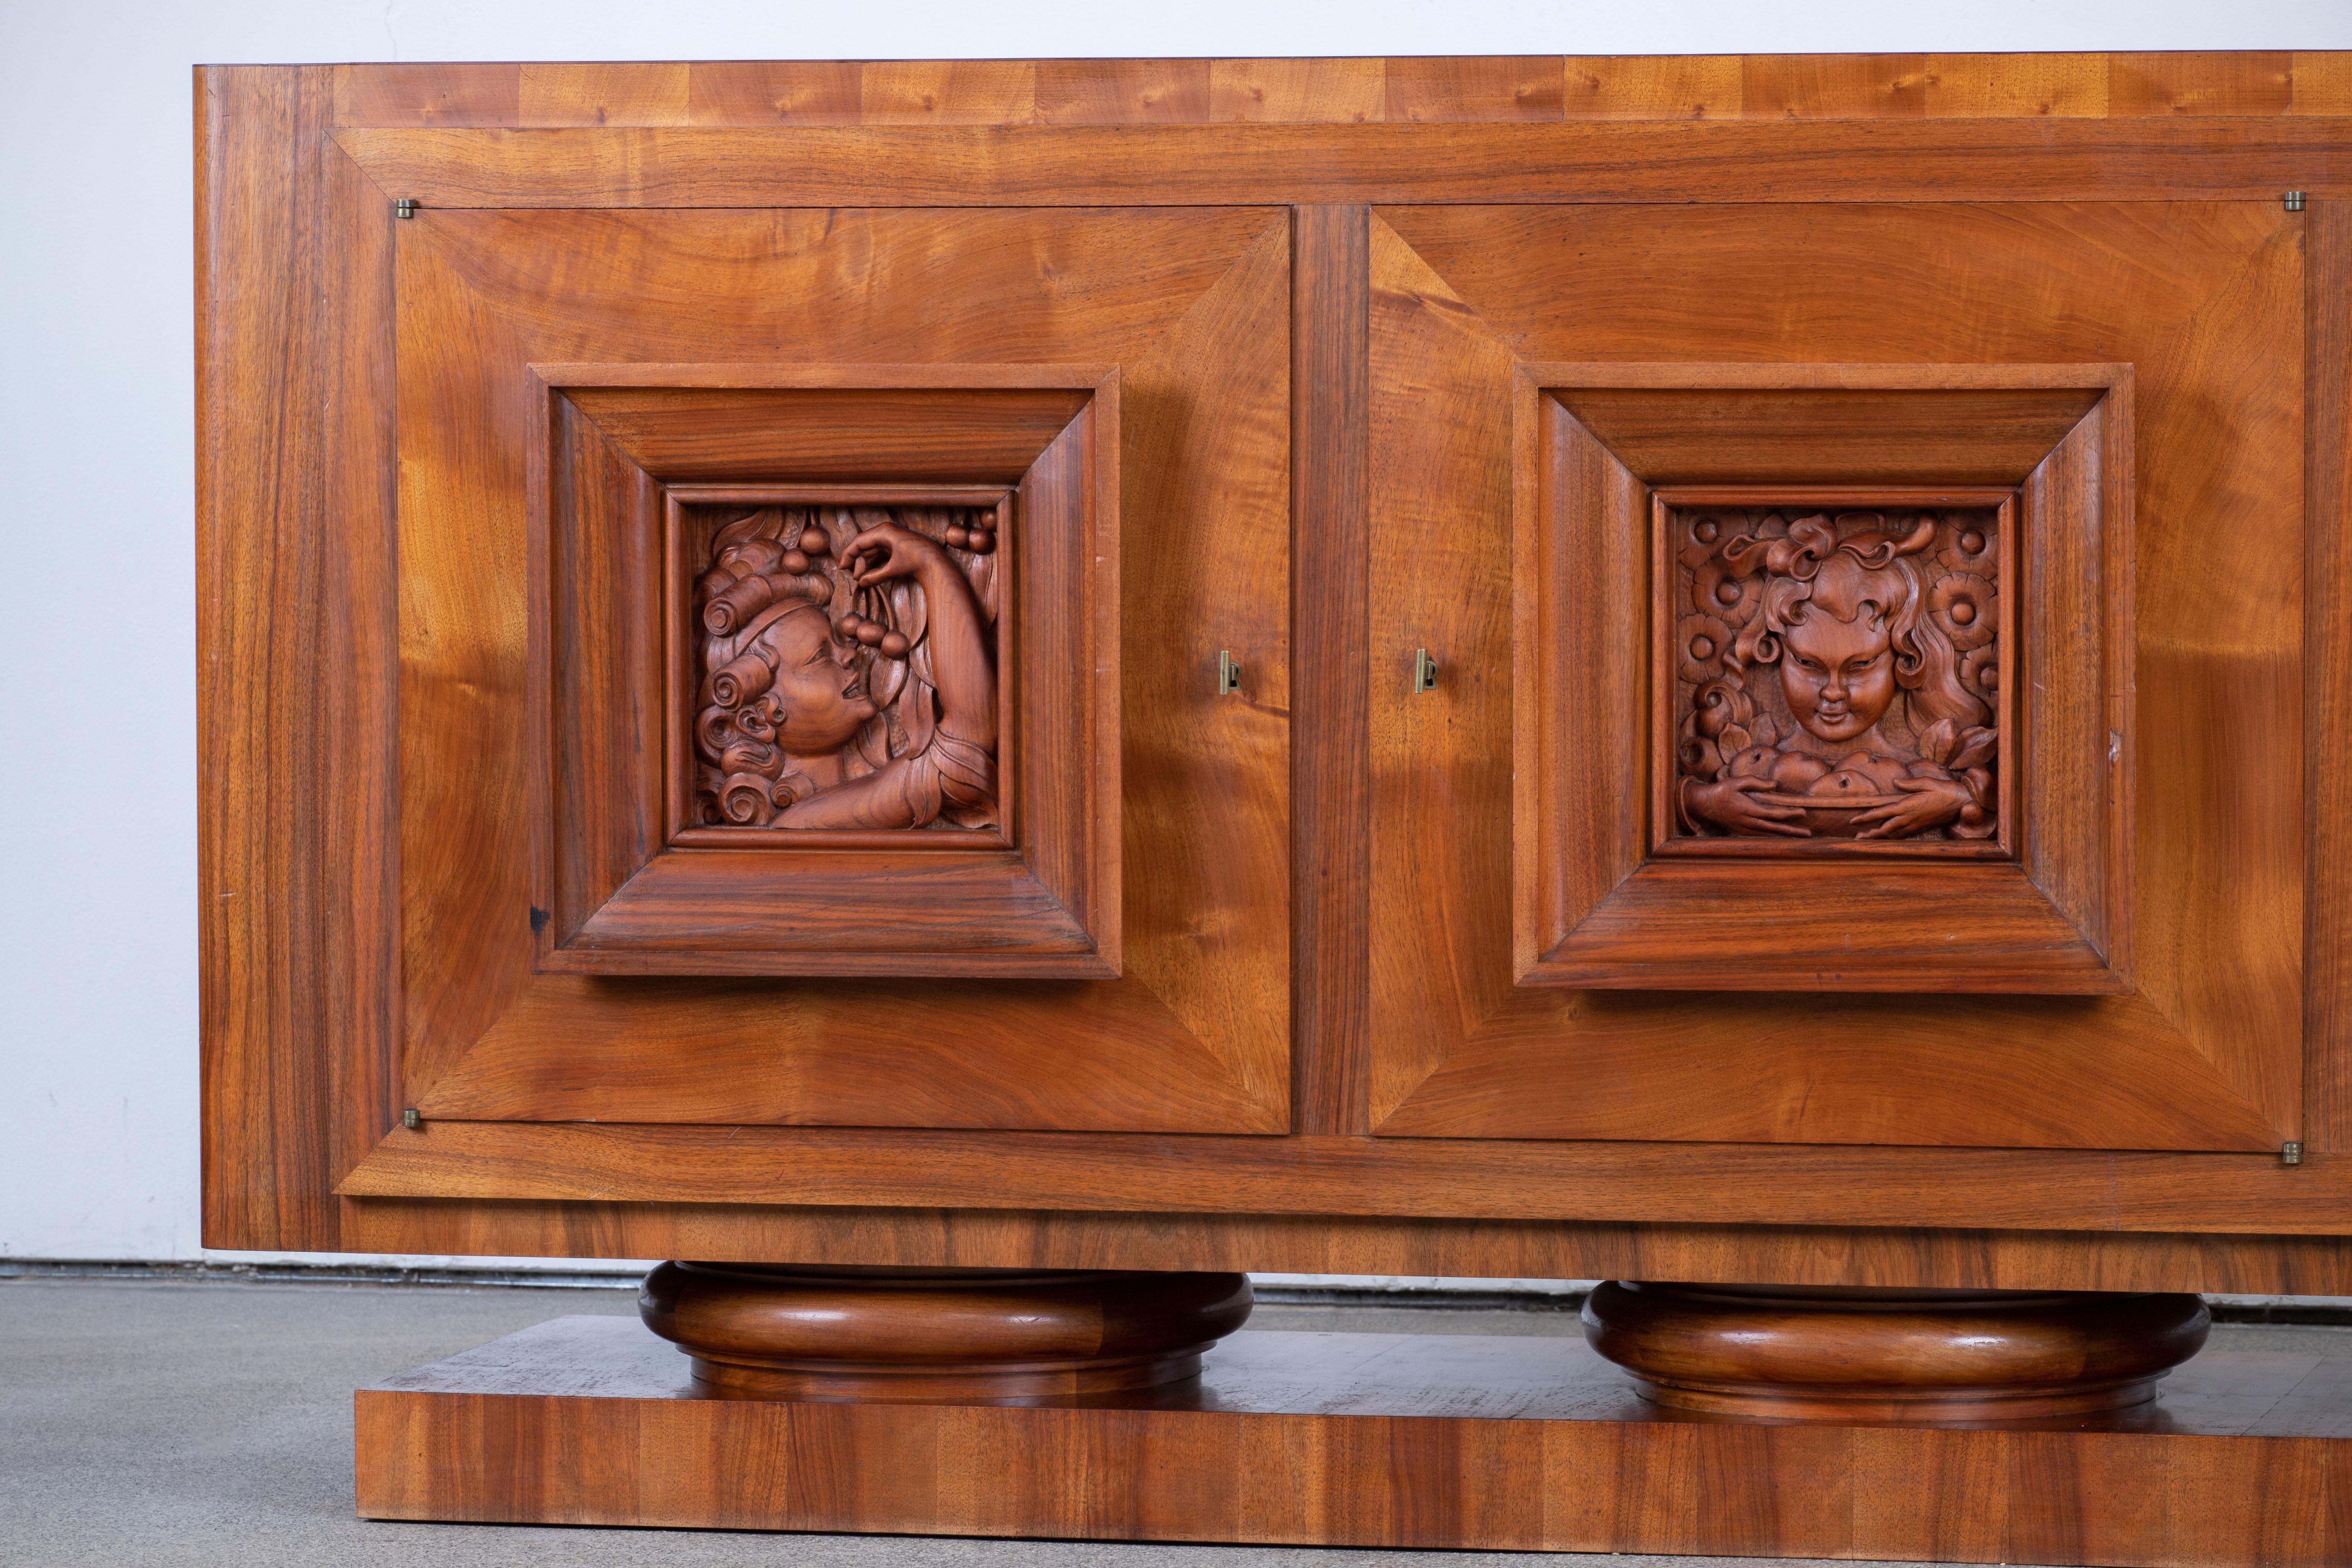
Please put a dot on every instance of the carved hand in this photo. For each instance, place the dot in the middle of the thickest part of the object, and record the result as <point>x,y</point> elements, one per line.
<point>887,550</point>
<point>1732,803</point>
<point>1933,802</point>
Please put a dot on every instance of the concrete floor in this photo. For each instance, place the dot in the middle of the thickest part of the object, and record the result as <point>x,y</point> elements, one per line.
<point>211,1423</point>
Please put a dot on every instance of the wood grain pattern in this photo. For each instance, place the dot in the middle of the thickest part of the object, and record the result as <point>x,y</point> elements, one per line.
<point>937,1237</point>
<point>2244,81</point>
<point>1465,1178</point>
<point>1437,1441</point>
<point>298,882</point>
<point>1195,1033</point>
<point>1122,92</point>
<point>1832,87</point>
<point>2327,667</point>
<point>1291,92</point>
<point>1925,1357</point>
<point>1330,531</point>
<point>963,1335</point>
<point>602,94</point>
<point>1461,295</point>
<point>1979,160</point>
<point>1480,88</point>
<point>1496,88</point>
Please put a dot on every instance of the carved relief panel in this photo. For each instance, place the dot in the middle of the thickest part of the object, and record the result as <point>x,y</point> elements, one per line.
<point>829,686</point>
<point>1769,729</point>
<point>1833,679</point>
<point>840,664</point>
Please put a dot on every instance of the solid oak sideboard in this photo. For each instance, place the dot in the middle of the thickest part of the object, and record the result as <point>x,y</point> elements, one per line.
<point>971,697</point>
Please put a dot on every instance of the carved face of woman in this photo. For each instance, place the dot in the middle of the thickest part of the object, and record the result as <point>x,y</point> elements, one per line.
<point>825,701</point>
<point>1838,676</point>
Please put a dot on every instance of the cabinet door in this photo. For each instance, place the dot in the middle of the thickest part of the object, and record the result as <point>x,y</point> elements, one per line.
<point>810,636</point>
<point>1869,667</point>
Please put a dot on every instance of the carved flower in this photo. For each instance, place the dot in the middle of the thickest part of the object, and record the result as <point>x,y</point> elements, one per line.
<point>1698,535</point>
<point>1980,673</point>
<point>1731,599</point>
<point>1966,609</point>
<point>1699,642</point>
<point>1971,546</point>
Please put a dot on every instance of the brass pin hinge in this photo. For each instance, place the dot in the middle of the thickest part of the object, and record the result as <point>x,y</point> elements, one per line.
<point>2293,201</point>
<point>405,207</point>
<point>2290,1153</point>
<point>1424,670</point>
<point>409,1118</point>
<point>1229,674</point>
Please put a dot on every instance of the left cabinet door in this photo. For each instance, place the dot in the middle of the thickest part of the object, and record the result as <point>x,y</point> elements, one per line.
<point>809,654</point>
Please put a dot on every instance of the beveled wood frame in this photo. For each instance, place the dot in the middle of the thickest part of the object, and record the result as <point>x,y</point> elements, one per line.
<point>1664,841</point>
<point>1037,900</point>
<point>1599,900</point>
<point>297,169</point>
<point>678,638</point>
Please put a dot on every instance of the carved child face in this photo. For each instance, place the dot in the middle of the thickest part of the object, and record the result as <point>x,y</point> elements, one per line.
<point>824,699</point>
<point>1838,676</point>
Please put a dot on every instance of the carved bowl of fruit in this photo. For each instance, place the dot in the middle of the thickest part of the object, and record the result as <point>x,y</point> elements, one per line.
<point>1831,796</point>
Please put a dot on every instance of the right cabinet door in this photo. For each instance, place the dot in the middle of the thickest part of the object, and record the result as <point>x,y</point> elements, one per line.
<point>1867,704</point>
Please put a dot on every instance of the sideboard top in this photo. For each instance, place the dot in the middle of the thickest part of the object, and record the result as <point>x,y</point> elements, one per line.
<point>1493,89</point>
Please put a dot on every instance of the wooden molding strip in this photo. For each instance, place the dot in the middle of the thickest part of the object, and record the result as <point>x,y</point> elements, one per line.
<point>1426,1178</point>
<point>1250,166</point>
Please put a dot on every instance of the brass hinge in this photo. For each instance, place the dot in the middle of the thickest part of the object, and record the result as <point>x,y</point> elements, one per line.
<point>2290,1153</point>
<point>409,1118</point>
<point>2294,201</point>
<point>405,207</point>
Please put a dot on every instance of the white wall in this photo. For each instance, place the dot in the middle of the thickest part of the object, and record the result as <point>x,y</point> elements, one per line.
<point>98,997</point>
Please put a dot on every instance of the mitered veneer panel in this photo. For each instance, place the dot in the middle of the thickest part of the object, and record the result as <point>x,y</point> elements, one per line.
<point>1190,306</point>
<point>2206,1052</point>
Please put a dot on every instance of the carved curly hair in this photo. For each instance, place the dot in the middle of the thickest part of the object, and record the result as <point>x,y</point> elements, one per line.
<point>758,576</point>
<point>1868,571</point>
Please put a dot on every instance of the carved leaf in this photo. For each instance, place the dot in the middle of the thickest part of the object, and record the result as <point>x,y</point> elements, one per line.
<point>907,611</point>
<point>1937,740</point>
<point>1976,747</point>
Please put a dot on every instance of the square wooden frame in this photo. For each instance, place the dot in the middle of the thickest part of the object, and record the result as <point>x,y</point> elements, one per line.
<point>1596,903</point>
<point>677,590</point>
<point>627,887</point>
<point>2001,846</point>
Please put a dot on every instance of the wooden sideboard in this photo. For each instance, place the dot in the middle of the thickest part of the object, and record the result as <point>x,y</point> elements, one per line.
<point>1714,672</point>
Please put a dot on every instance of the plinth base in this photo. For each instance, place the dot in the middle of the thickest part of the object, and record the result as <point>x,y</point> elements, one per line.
<point>1812,1353</point>
<point>1370,1440</point>
<point>971,1336</point>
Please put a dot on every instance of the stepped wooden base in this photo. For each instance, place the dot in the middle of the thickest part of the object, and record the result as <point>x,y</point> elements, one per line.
<point>971,1335</point>
<point>1370,1440</point>
<point>1934,1356</point>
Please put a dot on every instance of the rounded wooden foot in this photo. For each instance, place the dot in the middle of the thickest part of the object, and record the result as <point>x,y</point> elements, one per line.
<point>960,1335</point>
<point>1911,1356</point>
